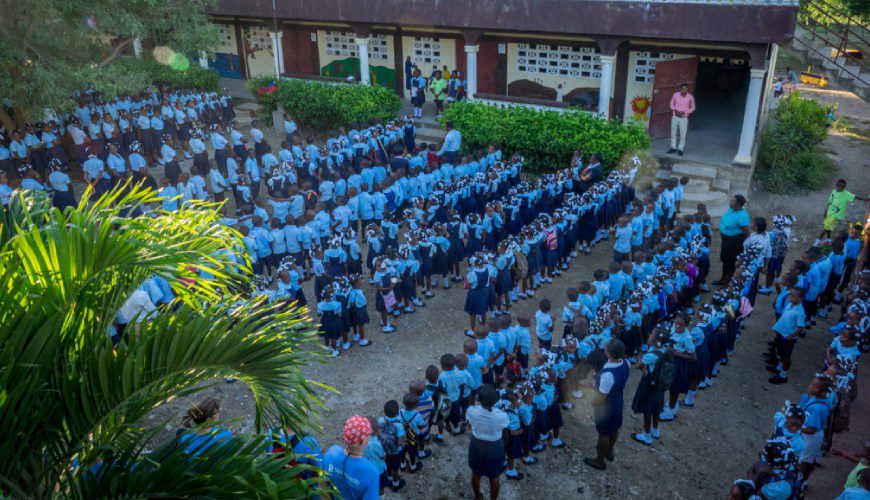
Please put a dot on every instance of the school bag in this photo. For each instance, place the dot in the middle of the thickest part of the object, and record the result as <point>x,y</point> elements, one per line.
<point>552,241</point>
<point>389,437</point>
<point>662,375</point>
<point>410,432</point>
<point>442,403</point>
<point>597,358</point>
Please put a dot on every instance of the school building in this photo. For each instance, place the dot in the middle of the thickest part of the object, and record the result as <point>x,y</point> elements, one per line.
<point>621,58</point>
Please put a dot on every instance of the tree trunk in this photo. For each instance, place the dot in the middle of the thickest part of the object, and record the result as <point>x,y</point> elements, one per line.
<point>22,116</point>
<point>6,120</point>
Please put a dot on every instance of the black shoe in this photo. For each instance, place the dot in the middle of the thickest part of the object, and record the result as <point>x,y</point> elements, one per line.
<point>771,343</point>
<point>680,152</point>
<point>397,487</point>
<point>772,369</point>
<point>777,380</point>
<point>610,458</point>
<point>517,477</point>
<point>417,466</point>
<point>671,151</point>
<point>595,464</point>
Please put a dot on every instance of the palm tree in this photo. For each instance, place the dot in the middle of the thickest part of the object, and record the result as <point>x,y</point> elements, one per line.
<point>72,407</point>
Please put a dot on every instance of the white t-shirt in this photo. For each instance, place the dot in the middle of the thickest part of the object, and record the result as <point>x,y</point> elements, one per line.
<point>138,303</point>
<point>487,425</point>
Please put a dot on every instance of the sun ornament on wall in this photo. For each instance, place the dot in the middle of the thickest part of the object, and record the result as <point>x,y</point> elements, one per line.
<point>640,106</point>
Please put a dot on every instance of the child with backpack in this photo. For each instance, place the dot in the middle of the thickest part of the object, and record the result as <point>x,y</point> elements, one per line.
<point>414,427</point>
<point>425,405</point>
<point>441,404</point>
<point>657,368</point>
<point>391,434</point>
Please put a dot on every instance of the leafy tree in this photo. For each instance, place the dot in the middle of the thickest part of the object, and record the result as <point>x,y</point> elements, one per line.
<point>72,408</point>
<point>50,48</point>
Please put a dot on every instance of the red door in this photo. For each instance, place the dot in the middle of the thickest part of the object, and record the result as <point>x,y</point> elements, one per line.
<point>487,65</point>
<point>298,54</point>
<point>669,76</point>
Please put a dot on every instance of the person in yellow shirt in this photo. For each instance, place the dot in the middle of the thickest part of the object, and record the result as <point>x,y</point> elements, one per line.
<point>838,202</point>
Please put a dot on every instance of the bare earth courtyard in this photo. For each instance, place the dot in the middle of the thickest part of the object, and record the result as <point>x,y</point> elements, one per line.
<point>699,454</point>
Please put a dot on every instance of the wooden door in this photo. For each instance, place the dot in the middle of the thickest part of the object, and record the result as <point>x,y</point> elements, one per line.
<point>300,53</point>
<point>669,75</point>
<point>491,77</point>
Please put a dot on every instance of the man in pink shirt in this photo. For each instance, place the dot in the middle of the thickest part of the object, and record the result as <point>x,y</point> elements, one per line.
<point>682,105</point>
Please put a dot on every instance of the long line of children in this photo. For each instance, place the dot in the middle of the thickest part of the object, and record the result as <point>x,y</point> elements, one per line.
<point>803,431</point>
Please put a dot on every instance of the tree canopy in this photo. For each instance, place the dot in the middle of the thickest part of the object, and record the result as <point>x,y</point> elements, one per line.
<point>52,48</point>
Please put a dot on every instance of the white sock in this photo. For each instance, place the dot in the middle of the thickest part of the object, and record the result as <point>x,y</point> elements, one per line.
<point>446,282</point>
<point>783,373</point>
<point>690,397</point>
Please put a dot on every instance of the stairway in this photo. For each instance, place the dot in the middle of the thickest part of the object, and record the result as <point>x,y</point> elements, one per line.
<point>833,47</point>
<point>708,184</point>
<point>429,131</point>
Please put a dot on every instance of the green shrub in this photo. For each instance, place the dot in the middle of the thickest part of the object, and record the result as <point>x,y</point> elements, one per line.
<point>789,157</point>
<point>182,74</point>
<point>322,106</point>
<point>546,138</point>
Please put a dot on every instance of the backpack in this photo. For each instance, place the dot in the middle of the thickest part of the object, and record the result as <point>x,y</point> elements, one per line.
<point>389,437</point>
<point>410,432</point>
<point>597,358</point>
<point>442,403</point>
<point>662,375</point>
<point>552,241</point>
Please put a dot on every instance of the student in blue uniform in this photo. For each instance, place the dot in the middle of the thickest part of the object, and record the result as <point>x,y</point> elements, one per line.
<point>649,398</point>
<point>611,381</point>
<point>683,351</point>
<point>477,299</point>
<point>331,324</point>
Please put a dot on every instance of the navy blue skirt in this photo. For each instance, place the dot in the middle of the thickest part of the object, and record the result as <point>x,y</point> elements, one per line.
<point>331,325</point>
<point>477,301</point>
<point>456,252</point>
<point>681,376</point>
<point>647,401</point>
<point>700,368</point>
<point>515,446</point>
<point>359,315</point>
<point>486,458</point>
<point>440,264</point>
<point>503,282</point>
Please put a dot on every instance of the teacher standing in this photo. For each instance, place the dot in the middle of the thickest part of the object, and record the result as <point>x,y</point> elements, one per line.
<point>608,403</point>
<point>449,152</point>
<point>486,449</point>
<point>734,228</point>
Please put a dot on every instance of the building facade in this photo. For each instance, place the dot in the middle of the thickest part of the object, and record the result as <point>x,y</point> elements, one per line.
<point>620,58</point>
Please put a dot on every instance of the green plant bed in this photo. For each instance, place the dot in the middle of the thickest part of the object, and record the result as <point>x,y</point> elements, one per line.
<point>322,106</point>
<point>789,157</point>
<point>181,74</point>
<point>547,139</point>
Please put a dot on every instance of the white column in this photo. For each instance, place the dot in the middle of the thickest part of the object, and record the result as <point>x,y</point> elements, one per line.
<point>137,46</point>
<point>605,90</point>
<point>275,59</point>
<point>750,117</point>
<point>280,51</point>
<point>203,59</point>
<point>471,69</point>
<point>362,47</point>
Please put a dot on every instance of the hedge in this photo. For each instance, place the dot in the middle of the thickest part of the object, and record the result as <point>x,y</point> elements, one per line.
<point>545,138</point>
<point>182,74</point>
<point>322,106</point>
<point>789,157</point>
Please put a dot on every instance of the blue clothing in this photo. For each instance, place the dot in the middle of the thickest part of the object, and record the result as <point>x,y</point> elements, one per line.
<point>793,318</point>
<point>354,478</point>
<point>733,222</point>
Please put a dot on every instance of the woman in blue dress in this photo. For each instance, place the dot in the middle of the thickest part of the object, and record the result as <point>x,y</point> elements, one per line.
<point>608,404</point>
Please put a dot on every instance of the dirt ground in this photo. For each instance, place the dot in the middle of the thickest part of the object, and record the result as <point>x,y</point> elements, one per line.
<point>699,454</point>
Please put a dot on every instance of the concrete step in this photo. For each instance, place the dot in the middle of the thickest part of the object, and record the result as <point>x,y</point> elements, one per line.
<point>708,198</point>
<point>723,185</point>
<point>694,171</point>
<point>247,106</point>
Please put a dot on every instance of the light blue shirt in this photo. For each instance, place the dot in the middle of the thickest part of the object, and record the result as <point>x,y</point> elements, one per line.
<point>733,222</point>
<point>793,317</point>
<point>452,142</point>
